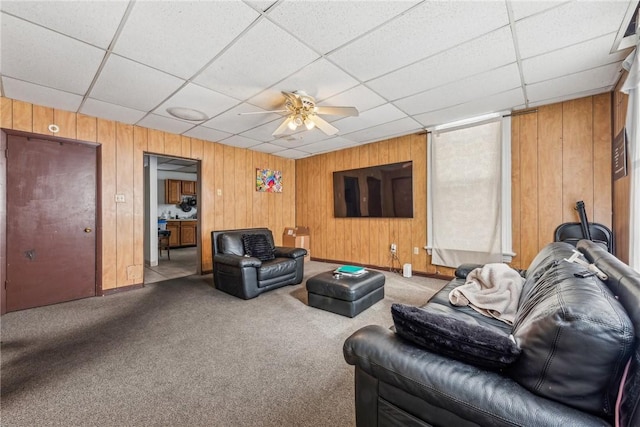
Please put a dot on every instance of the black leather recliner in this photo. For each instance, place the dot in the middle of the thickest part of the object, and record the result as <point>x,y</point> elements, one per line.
<point>246,277</point>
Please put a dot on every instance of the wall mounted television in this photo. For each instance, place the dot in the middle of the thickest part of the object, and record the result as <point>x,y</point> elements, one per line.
<point>383,191</point>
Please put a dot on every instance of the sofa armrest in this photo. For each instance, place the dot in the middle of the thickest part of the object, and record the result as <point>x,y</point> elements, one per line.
<point>463,270</point>
<point>480,396</point>
<point>237,260</point>
<point>285,252</point>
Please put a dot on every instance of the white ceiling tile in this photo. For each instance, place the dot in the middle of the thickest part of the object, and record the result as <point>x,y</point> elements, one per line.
<point>381,114</point>
<point>320,79</point>
<point>240,141</point>
<point>292,154</point>
<point>601,77</point>
<point>332,144</point>
<point>142,89</point>
<point>466,90</point>
<point>190,33</point>
<point>198,98</point>
<point>263,132</point>
<point>421,32</point>
<point>153,121</point>
<point>349,19</point>
<point>94,22</point>
<point>491,104</point>
<point>96,108</point>
<point>568,24</point>
<point>262,57</point>
<point>289,141</point>
<point>267,148</point>
<point>29,53</point>
<point>301,137</point>
<point>261,5</point>
<point>234,122</point>
<point>572,59</point>
<point>522,8</point>
<point>360,97</point>
<point>484,53</point>
<point>568,97</point>
<point>41,95</point>
<point>386,130</point>
<point>207,134</point>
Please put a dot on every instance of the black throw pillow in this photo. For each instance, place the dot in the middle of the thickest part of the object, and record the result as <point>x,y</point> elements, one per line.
<point>455,337</point>
<point>258,246</point>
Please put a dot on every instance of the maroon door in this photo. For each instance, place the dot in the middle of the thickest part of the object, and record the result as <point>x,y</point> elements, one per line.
<point>51,216</point>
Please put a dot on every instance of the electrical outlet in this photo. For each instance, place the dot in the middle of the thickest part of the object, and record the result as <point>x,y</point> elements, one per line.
<point>119,198</point>
<point>393,248</point>
<point>416,250</point>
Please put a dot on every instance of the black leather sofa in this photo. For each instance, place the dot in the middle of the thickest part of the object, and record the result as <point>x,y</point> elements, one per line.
<point>244,276</point>
<point>564,375</point>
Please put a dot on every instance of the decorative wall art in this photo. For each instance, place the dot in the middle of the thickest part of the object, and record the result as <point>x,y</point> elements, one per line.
<point>268,180</point>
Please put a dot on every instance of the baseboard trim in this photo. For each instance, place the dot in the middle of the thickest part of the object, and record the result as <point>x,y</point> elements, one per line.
<point>377,267</point>
<point>107,292</point>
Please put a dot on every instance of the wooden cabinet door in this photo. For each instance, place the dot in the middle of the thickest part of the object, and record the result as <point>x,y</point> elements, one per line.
<point>174,227</point>
<point>188,234</point>
<point>172,188</point>
<point>189,188</point>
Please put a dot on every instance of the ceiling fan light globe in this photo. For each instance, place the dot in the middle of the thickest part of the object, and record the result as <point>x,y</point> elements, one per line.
<point>298,121</point>
<point>309,124</point>
<point>292,125</point>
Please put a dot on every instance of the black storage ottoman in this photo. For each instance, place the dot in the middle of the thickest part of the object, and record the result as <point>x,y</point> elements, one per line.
<point>345,295</point>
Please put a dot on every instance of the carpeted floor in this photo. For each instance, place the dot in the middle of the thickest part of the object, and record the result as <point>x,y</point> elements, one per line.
<point>181,353</point>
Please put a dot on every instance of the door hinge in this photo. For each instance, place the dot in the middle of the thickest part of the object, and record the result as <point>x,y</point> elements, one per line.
<point>6,153</point>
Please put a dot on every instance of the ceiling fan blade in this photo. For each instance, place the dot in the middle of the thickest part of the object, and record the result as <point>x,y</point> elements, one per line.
<point>293,98</point>
<point>338,111</point>
<point>263,112</point>
<point>282,127</point>
<point>322,125</point>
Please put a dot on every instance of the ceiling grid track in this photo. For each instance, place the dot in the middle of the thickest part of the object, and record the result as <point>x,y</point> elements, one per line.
<point>107,54</point>
<point>516,47</point>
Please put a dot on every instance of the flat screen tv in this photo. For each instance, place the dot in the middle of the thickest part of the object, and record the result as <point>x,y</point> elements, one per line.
<point>384,191</point>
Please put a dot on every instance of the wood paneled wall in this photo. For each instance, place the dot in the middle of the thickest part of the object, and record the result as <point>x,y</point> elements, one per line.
<point>226,170</point>
<point>622,186</point>
<point>561,153</point>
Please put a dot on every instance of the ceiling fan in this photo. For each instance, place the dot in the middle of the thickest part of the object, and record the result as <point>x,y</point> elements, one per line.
<point>303,111</point>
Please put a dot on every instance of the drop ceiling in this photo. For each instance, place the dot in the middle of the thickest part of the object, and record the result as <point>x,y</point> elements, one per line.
<point>405,65</point>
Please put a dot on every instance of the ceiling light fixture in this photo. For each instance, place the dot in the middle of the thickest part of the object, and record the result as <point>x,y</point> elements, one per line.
<point>187,114</point>
<point>308,123</point>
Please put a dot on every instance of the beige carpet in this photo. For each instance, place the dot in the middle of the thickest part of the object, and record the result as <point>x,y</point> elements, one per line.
<point>181,353</point>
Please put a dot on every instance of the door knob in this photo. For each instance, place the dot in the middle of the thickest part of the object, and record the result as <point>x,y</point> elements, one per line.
<point>87,230</point>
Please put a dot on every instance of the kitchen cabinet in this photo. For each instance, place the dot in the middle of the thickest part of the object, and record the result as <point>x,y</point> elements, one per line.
<point>188,188</point>
<point>172,191</point>
<point>174,227</point>
<point>183,233</point>
<point>188,233</point>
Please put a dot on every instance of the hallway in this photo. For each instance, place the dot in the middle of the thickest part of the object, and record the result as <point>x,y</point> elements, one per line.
<point>184,262</point>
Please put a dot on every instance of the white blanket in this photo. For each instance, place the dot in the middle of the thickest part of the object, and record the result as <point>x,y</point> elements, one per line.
<point>492,290</point>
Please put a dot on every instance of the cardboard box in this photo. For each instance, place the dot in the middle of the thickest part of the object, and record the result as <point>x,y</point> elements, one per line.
<point>297,237</point>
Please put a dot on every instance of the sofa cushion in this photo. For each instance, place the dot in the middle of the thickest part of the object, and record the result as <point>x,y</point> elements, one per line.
<point>258,246</point>
<point>575,339</point>
<point>230,244</point>
<point>454,336</point>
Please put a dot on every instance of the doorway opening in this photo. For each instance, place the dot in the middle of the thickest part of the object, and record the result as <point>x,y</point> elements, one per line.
<point>172,220</point>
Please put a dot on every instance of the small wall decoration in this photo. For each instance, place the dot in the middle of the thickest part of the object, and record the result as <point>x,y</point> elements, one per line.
<point>268,180</point>
<point>620,155</point>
